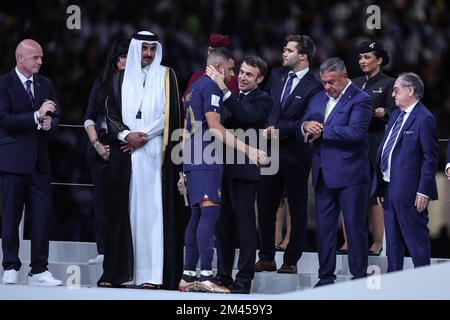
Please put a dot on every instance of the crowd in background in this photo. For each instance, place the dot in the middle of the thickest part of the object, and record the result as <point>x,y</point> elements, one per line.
<point>415,34</point>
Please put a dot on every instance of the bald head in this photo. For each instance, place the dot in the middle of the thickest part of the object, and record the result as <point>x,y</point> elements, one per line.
<point>27,45</point>
<point>28,57</point>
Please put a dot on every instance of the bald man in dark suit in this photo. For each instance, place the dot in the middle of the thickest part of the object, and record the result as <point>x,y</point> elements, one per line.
<point>27,114</point>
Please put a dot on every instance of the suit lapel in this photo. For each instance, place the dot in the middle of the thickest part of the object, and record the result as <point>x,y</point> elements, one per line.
<point>20,90</point>
<point>391,122</point>
<point>392,119</point>
<point>323,102</point>
<point>342,101</point>
<point>284,77</point>
<point>408,123</point>
<point>296,90</point>
<point>253,93</point>
<point>37,92</point>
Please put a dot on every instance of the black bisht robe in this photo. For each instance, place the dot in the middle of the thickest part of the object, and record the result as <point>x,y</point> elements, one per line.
<point>118,264</point>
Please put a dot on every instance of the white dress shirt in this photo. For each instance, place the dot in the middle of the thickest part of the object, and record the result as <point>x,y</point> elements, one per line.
<point>330,105</point>
<point>332,102</point>
<point>228,94</point>
<point>299,75</point>
<point>387,174</point>
<point>24,79</point>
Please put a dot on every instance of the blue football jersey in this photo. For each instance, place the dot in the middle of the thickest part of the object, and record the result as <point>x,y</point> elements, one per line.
<point>201,150</point>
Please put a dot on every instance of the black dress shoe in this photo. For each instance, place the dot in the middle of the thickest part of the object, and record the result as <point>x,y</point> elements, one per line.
<point>239,288</point>
<point>323,283</point>
<point>265,265</point>
<point>287,268</point>
<point>223,280</point>
<point>341,251</point>
<point>375,253</point>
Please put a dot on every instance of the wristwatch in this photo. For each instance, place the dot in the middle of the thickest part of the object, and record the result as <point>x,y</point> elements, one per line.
<point>225,91</point>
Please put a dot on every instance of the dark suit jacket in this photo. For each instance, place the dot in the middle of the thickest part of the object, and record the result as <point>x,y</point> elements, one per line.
<point>379,88</point>
<point>292,151</point>
<point>414,158</point>
<point>250,112</point>
<point>232,84</point>
<point>21,144</point>
<point>92,113</point>
<point>343,150</point>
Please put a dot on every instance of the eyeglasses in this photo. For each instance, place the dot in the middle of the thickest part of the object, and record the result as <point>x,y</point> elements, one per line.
<point>403,86</point>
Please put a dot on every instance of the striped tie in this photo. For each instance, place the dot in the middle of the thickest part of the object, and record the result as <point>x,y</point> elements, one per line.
<point>29,93</point>
<point>287,90</point>
<point>391,142</point>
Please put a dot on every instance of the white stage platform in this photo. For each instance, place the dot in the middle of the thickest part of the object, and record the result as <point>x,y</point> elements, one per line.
<point>68,258</point>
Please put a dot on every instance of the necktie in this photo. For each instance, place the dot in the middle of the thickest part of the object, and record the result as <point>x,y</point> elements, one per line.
<point>241,96</point>
<point>391,142</point>
<point>29,93</point>
<point>287,90</point>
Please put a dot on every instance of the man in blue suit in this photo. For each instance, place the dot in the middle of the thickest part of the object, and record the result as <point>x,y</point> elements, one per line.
<point>27,113</point>
<point>337,123</point>
<point>291,88</point>
<point>406,168</point>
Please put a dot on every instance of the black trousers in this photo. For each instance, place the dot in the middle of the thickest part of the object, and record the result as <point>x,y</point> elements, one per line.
<point>237,216</point>
<point>295,180</point>
<point>34,191</point>
<point>98,168</point>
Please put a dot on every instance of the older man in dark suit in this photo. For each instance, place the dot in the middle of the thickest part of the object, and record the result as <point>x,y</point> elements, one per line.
<point>337,123</point>
<point>27,113</point>
<point>406,168</point>
<point>247,111</point>
<point>291,88</point>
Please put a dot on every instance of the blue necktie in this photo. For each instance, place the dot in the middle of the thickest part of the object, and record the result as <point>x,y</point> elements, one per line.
<point>287,90</point>
<point>29,93</point>
<point>391,142</point>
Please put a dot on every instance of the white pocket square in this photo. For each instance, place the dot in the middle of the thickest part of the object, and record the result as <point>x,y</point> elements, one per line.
<point>409,132</point>
<point>298,97</point>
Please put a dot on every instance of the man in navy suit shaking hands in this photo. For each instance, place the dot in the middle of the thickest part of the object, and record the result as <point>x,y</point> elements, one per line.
<point>27,113</point>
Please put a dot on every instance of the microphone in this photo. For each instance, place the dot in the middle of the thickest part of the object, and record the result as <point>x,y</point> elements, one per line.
<point>51,114</point>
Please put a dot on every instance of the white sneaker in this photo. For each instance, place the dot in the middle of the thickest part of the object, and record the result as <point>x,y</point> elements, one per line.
<point>97,260</point>
<point>10,276</point>
<point>43,279</point>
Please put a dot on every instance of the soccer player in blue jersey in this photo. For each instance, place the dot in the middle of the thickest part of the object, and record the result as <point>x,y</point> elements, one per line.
<point>203,166</point>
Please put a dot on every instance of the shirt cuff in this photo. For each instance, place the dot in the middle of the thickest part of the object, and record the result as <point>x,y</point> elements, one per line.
<point>301,128</point>
<point>122,134</point>
<point>36,118</point>
<point>446,167</point>
<point>423,195</point>
<point>88,123</point>
<point>226,96</point>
